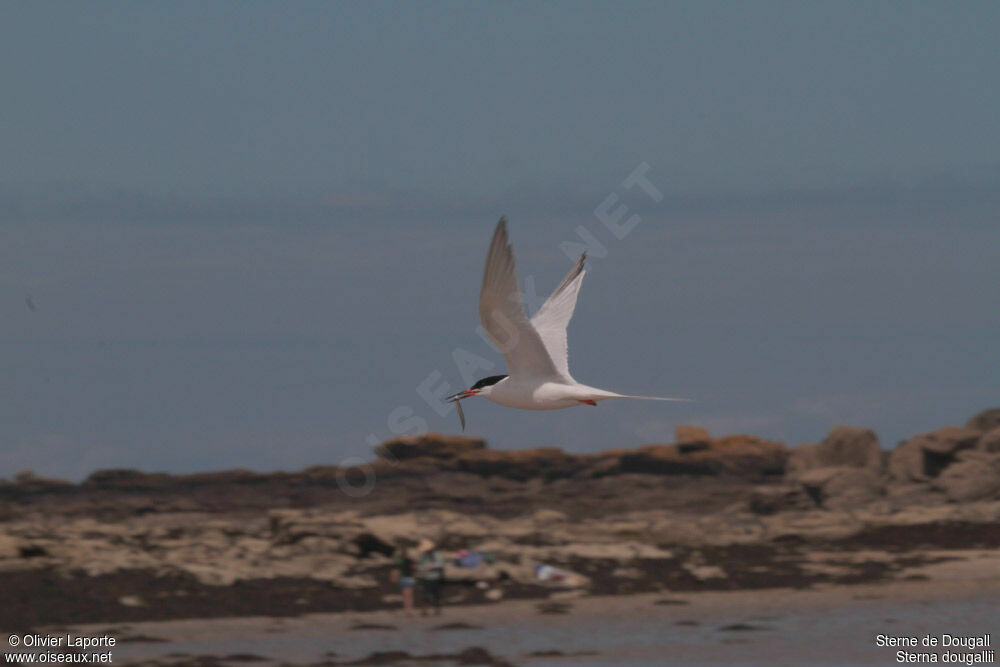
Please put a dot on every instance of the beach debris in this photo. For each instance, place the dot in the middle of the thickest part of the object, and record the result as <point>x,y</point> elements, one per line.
<point>558,575</point>
<point>131,601</point>
<point>705,572</point>
<point>472,559</point>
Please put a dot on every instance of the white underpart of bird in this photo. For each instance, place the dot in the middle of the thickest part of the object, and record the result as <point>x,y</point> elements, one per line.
<point>536,350</point>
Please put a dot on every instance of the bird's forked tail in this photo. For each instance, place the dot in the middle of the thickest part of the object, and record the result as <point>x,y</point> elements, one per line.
<point>602,394</point>
<point>655,398</point>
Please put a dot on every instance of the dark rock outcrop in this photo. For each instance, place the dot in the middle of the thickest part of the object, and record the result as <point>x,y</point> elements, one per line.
<point>430,445</point>
<point>987,420</point>
<point>738,455</point>
<point>692,438</point>
<point>990,442</point>
<point>974,476</point>
<point>769,499</point>
<point>844,446</point>
<point>521,465</point>
<point>841,487</point>
<point>844,471</point>
<point>694,454</point>
<point>924,456</point>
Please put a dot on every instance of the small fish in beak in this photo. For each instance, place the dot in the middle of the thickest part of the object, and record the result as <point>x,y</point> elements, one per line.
<point>461,414</point>
<point>457,400</point>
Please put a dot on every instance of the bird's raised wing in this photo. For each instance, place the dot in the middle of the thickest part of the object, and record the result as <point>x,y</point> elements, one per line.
<point>553,317</point>
<point>502,313</point>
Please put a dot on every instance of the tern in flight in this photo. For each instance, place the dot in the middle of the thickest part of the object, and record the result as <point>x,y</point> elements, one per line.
<point>536,351</point>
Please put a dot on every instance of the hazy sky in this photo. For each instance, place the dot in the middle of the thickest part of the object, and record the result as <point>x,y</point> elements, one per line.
<point>243,234</point>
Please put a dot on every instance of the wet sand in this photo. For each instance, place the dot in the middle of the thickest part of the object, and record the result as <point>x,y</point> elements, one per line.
<point>823,625</point>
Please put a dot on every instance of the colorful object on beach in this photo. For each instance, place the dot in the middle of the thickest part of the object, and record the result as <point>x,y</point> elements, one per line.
<point>557,575</point>
<point>469,559</point>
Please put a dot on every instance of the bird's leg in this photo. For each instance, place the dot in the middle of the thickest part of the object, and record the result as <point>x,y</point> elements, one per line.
<point>587,401</point>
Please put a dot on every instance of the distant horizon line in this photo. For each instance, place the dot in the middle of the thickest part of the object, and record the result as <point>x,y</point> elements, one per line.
<point>62,201</point>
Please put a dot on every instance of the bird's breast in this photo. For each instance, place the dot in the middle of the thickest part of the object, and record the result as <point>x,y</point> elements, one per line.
<point>533,396</point>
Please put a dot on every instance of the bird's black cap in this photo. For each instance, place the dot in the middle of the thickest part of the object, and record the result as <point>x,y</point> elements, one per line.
<point>486,382</point>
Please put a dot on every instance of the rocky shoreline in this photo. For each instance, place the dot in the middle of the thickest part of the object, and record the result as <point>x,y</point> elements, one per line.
<point>701,514</point>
